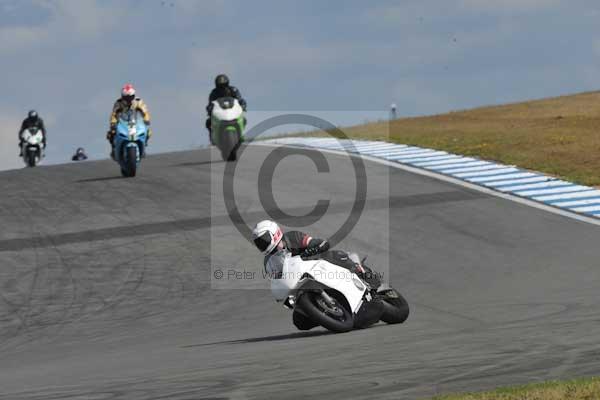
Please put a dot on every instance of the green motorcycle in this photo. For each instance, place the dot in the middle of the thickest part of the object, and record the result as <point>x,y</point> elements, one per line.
<point>228,121</point>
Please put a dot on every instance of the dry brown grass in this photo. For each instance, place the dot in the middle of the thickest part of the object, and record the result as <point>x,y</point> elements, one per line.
<point>558,136</point>
<point>580,389</point>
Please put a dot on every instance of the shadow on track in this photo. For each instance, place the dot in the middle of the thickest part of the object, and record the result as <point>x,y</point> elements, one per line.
<point>190,224</point>
<point>106,178</point>
<point>197,163</point>
<point>289,336</point>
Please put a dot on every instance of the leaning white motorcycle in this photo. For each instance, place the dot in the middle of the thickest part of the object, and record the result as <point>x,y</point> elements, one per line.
<point>331,296</point>
<point>32,146</point>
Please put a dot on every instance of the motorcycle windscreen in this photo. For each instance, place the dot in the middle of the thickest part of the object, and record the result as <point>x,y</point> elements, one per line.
<point>283,280</point>
<point>125,116</point>
<point>231,113</point>
<point>275,264</point>
<point>131,118</point>
<point>33,136</point>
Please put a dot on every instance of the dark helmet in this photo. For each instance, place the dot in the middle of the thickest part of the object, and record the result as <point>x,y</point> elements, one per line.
<point>80,150</point>
<point>32,114</point>
<point>221,80</point>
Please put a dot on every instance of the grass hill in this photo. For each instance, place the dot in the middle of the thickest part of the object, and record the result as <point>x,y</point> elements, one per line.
<point>558,136</point>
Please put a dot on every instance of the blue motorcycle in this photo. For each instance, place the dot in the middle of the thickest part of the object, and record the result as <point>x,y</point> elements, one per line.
<point>130,141</point>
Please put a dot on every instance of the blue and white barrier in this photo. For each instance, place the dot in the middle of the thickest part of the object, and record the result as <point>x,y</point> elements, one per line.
<point>507,179</point>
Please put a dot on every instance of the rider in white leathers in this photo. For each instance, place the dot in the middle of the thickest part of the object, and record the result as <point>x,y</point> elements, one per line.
<point>269,238</point>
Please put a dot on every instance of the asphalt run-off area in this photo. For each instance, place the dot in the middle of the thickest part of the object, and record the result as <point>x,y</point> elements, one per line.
<point>108,285</point>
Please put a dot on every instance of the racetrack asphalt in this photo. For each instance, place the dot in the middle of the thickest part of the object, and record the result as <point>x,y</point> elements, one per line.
<point>107,287</point>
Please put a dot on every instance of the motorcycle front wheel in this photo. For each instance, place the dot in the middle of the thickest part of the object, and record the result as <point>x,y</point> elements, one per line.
<point>229,143</point>
<point>131,161</point>
<point>31,159</point>
<point>335,318</point>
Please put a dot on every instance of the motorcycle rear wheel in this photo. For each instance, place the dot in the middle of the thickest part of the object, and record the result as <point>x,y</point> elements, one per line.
<point>395,307</point>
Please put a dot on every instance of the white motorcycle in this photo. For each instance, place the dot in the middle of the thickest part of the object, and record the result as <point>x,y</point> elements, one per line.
<point>322,293</point>
<point>32,146</point>
<point>228,122</point>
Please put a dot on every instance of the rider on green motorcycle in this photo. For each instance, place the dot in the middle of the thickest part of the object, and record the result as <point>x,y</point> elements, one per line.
<point>222,89</point>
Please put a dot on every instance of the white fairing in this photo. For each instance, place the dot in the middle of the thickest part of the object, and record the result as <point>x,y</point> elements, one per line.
<point>229,114</point>
<point>32,139</point>
<point>294,268</point>
<point>35,139</point>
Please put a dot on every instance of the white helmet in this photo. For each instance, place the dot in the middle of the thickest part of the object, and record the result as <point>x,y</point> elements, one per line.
<point>128,93</point>
<point>266,235</point>
<point>128,90</point>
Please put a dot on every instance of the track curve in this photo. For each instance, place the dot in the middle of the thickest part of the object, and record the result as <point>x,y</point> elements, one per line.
<point>106,289</point>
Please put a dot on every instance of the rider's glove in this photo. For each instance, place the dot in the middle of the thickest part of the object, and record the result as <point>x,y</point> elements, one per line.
<point>310,251</point>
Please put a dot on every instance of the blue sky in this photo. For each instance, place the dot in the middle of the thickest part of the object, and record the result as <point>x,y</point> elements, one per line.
<point>69,58</point>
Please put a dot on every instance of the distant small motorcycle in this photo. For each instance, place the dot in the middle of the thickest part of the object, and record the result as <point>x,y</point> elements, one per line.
<point>130,141</point>
<point>32,146</point>
<point>79,155</point>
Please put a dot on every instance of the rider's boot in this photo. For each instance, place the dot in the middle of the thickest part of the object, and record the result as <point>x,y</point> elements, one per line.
<point>148,136</point>
<point>364,272</point>
<point>368,275</point>
<point>110,136</point>
<point>302,322</point>
<point>208,126</point>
